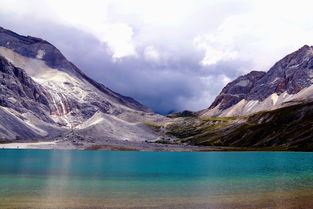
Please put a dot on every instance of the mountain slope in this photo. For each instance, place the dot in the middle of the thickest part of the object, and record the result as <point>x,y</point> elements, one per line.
<point>287,128</point>
<point>42,90</point>
<point>289,81</point>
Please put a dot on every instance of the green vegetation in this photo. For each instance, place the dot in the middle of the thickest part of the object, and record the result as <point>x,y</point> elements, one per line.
<point>185,113</point>
<point>153,126</point>
<point>4,141</point>
<point>224,119</point>
<point>190,129</point>
<point>288,128</point>
<point>182,131</point>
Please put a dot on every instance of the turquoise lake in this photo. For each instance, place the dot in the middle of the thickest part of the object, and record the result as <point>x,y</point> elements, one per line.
<point>113,179</point>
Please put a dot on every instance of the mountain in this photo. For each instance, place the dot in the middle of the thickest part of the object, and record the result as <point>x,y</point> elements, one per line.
<point>258,111</point>
<point>43,95</point>
<point>288,82</point>
<point>287,128</point>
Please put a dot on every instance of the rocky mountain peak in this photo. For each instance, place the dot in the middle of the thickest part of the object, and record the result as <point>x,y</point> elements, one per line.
<point>43,51</point>
<point>298,57</point>
<point>290,75</point>
<point>237,90</point>
<point>36,48</point>
<point>46,94</point>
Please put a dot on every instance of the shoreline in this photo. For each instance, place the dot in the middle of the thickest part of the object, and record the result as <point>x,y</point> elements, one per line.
<point>122,145</point>
<point>109,145</point>
<point>28,145</point>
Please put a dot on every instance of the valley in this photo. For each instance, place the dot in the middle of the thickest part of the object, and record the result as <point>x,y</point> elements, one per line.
<point>46,102</point>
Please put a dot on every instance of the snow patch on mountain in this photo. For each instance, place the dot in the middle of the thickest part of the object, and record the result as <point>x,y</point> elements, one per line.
<point>274,98</point>
<point>272,102</point>
<point>40,54</point>
<point>243,83</point>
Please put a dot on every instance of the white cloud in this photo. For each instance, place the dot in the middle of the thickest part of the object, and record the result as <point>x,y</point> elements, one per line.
<point>119,38</point>
<point>90,16</point>
<point>215,50</point>
<point>258,30</point>
<point>151,54</point>
<point>225,79</point>
<point>262,35</point>
<point>122,25</point>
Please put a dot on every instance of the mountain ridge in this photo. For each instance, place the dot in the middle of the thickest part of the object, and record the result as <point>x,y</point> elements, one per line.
<point>32,47</point>
<point>49,96</point>
<point>290,76</point>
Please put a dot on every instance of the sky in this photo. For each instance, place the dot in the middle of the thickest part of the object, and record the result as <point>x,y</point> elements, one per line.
<point>170,55</point>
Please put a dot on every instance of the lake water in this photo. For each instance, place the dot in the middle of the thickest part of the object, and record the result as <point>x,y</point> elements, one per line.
<point>106,179</point>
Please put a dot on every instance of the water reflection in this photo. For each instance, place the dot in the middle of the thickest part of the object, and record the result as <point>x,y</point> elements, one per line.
<point>55,186</point>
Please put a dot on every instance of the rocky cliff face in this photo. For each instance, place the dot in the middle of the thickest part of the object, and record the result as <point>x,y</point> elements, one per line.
<point>291,74</point>
<point>24,105</point>
<point>49,95</point>
<point>287,82</point>
<point>19,91</point>
<point>237,90</point>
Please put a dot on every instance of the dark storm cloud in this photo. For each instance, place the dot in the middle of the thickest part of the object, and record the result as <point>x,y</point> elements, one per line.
<point>174,83</point>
